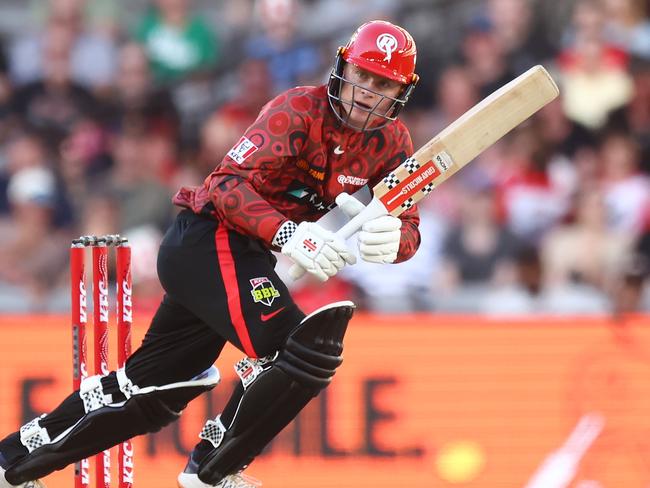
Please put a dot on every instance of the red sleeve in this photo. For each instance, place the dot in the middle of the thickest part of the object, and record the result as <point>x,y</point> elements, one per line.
<point>410,240</point>
<point>235,185</point>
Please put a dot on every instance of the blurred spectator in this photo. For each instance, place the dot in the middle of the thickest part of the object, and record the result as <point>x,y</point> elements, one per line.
<point>627,26</point>
<point>571,155</point>
<point>135,185</point>
<point>484,56</point>
<point>225,126</point>
<point>637,115</point>
<point>6,91</point>
<point>135,101</point>
<point>5,84</point>
<point>292,60</point>
<point>100,215</point>
<point>521,38</point>
<point>627,190</point>
<point>333,17</point>
<point>83,160</point>
<point>478,251</point>
<point>529,295</point>
<point>53,104</point>
<point>25,151</point>
<point>252,91</point>
<point>178,41</point>
<point>30,242</point>
<point>92,55</point>
<point>235,18</point>
<point>593,74</point>
<point>455,94</point>
<point>531,202</point>
<point>159,158</point>
<point>631,293</point>
<point>585,251</point>
<point>562,136</point>
<point>587,22</point>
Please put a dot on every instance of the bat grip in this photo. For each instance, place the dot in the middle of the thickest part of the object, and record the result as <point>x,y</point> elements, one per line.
<point>373,210</point>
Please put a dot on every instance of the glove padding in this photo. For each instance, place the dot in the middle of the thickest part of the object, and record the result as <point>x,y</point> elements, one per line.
<point>319,251</point>
<point>378,238</point>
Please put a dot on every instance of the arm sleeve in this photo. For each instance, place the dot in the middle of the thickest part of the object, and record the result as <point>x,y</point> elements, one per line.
<point>410,239</point>
<point>234,186</point>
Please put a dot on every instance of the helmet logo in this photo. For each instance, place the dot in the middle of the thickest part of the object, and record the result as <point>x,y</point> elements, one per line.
<point>387,45</point>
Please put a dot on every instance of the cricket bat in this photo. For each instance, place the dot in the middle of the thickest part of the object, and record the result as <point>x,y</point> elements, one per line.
<point>454,147</point>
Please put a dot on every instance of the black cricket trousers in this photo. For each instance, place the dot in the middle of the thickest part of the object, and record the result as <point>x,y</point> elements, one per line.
<point>219,286</point>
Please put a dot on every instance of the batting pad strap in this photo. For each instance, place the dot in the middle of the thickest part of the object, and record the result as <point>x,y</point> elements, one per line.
<point>92,394</point>
<point>284,233</point>
<point>33,436</point>
<point>213,431</point>
<point>248,369</point>
<point>126,385</point>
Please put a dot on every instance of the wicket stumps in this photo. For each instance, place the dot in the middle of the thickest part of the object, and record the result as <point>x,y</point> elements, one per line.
<point>124,312</point>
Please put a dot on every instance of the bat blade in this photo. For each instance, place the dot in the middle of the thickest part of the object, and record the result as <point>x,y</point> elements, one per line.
<point>466,138</point>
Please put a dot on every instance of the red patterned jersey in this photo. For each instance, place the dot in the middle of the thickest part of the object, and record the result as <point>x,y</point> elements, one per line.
<point>293,162</point>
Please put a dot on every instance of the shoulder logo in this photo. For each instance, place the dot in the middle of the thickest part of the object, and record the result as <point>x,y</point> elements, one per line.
<point>338,150</point>
<point>242,150</point>
<point>387,44</point>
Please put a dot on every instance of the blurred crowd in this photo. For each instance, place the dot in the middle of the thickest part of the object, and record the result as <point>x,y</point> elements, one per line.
<point>107,108</point>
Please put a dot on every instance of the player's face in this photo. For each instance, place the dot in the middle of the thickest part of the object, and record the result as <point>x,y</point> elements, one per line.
<point>369,94</point>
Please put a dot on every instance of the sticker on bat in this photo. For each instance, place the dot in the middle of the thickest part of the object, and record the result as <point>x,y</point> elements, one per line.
<point>443,161</point>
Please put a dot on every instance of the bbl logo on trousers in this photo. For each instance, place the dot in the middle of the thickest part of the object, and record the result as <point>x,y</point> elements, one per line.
<point>263,291</point>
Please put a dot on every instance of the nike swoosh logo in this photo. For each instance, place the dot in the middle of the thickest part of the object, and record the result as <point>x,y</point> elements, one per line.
<point>268,316</point>
<point>338,150</point>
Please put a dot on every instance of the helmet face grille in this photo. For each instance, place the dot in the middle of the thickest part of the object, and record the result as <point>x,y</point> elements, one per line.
<point>343,108</point>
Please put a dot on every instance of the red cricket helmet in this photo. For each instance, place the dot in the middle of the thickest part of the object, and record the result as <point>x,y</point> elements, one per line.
<point>384,49</point>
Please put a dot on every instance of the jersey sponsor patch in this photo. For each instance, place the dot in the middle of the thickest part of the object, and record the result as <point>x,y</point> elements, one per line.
<point>300,193</point>
<point>263,291</point>
<point>242,150</point>
<point>351,180</point>
<point>314,173</point>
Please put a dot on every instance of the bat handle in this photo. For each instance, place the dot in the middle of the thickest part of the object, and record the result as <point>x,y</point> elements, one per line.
<point>373,210</point>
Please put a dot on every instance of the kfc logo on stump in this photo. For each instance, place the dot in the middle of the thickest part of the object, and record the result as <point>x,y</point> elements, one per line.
<point>243,149</point>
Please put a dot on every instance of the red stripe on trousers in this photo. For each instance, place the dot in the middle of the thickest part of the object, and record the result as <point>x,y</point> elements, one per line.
<point>227,265</point>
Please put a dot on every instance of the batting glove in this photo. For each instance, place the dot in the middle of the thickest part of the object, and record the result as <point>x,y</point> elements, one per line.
<point>319,251</point>
<point>378,238</point>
